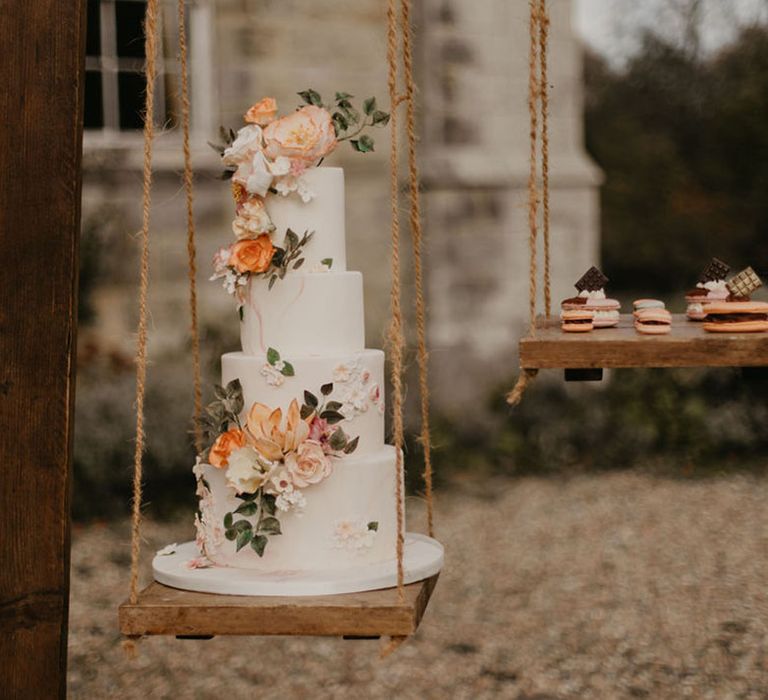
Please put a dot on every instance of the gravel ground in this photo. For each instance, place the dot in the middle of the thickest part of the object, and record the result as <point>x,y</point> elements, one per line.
<point>617,586</point>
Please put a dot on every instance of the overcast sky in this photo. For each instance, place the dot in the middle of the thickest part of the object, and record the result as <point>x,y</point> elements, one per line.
<point>610,25</point>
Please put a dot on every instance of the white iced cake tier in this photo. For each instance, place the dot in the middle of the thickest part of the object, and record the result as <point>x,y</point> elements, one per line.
<point>358,385</point>
<point>306,313</point>
<point>349,519</point>
<point>324,214</point>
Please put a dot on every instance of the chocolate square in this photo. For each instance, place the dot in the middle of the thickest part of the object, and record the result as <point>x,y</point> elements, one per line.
<point>743,284</point>
<point>591,280</point>
<point>716,270</point>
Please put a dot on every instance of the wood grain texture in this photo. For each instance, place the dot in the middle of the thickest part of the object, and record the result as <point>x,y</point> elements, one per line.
<point>40,145</point>
<point>169,611</point>
<point>688,345</point>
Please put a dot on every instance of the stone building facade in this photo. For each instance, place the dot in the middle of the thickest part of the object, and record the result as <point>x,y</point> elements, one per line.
<point>472,73</point>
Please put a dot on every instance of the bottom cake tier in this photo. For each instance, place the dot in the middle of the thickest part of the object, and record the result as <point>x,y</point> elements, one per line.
<point>348,519</point>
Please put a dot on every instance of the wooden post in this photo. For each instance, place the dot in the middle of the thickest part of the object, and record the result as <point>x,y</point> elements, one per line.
<point>41,117</point>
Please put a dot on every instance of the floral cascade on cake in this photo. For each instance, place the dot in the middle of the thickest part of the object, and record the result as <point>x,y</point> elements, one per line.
<point>295,475</point>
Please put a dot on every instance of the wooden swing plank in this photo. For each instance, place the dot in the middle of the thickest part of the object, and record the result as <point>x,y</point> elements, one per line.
<point>688,345</point>
<point>162,610</point>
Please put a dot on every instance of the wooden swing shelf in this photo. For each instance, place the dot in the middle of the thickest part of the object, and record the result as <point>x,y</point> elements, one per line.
<point>162,610</point>
<point>688,345</point>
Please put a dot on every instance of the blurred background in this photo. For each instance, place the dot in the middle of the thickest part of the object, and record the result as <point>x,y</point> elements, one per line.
<point>659,152</point>
<point>659,158</point>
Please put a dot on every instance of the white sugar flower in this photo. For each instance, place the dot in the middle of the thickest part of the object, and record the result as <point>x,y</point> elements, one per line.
<point>281,482</point>
<point>357,397</point>
<point>254,175</point>
<point>288,184</point>
<point>249,140</point>
<point>290,499</point>
<point>247,470</point>
<point>231,280</point>
<point>354,534</point>
<point>221,262</point>
<point>280,166</point>
<point>272,375</point>
<point>197,470</point>
<point>343,372</point>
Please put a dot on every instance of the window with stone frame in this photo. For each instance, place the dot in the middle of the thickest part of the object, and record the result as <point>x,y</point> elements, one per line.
<point>114,78</point>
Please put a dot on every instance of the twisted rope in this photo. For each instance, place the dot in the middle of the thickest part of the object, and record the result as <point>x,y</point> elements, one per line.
<point>544,97</point>
<point>538,97</point>
<point>191,248</point>
<point>418,275</point>
<point>533,196</point>
<point>395,338</point>
<point>150,70</point>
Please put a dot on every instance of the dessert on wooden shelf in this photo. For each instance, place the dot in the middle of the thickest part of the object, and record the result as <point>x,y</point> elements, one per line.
<point>591,297</point>
<point>739,314</point>
<point>643,304</point>
<point>711,287</point>
<point>653,321</point>
<point>577,321</point>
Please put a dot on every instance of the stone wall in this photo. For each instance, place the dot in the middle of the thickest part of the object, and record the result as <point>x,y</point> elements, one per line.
<point>475,137</point>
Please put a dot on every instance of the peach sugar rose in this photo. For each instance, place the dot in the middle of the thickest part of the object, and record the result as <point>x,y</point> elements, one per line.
<point>225,444</point>
<point>263,112</point>
<point>309,464</point>
<point>252,255</point>
<point>306,135</point>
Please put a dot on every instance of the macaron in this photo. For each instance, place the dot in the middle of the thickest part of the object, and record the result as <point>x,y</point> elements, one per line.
<point>577,321</point>
<point>653,321</point>
<point>737,317</point>
<point>697,299</point>
<point>642,304</point>
<point>606,311</point>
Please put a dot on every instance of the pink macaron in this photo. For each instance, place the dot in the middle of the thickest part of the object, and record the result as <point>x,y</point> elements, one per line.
<point>606,311</point>
<point>697,300</point>
<point>653,321</point>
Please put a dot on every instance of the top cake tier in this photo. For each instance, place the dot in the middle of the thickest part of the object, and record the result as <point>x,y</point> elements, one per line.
<point>323,214</point>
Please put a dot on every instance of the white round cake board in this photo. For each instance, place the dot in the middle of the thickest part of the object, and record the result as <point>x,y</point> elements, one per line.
<point>423,557</point>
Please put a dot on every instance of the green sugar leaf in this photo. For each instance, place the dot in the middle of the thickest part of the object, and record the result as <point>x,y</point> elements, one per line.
<point>270,525</point>
<point>365,144</point>
<point>258,544</point>
<point>380,118</point>
<point>351,446</point>
<point>332,417</point>
<point>338,440</point>
<point>247,508</point>
<point>268,503</point>
<point>243,539</point>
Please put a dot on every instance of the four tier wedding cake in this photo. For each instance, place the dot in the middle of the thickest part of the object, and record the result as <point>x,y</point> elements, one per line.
<point>296,475</point>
